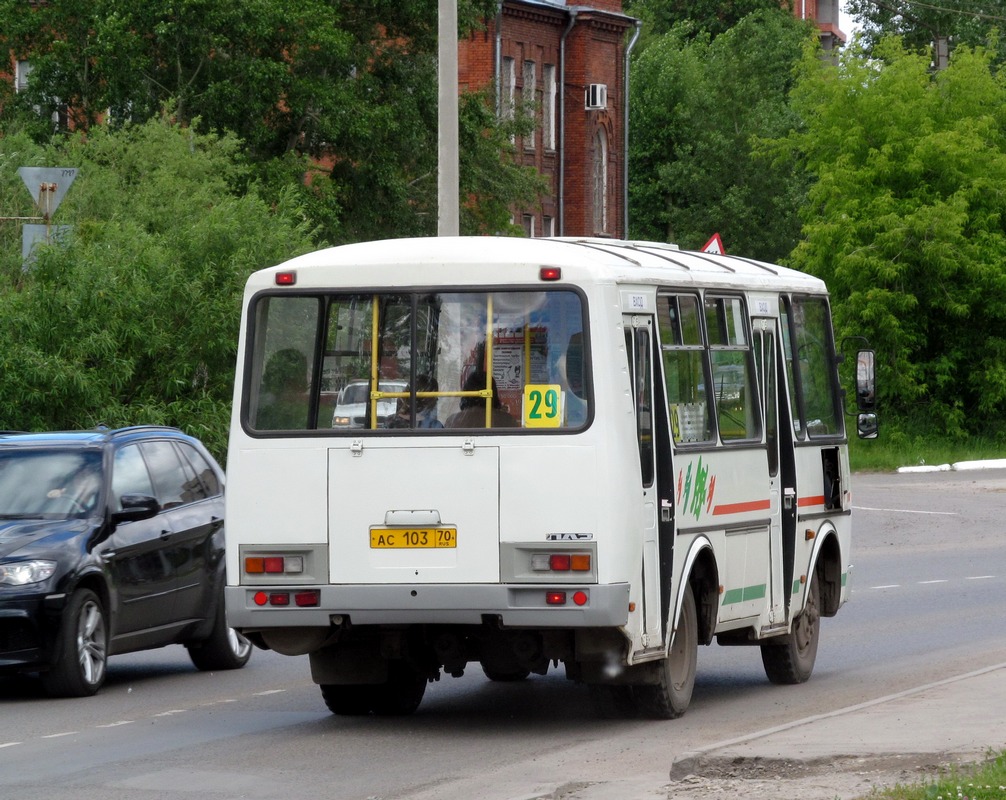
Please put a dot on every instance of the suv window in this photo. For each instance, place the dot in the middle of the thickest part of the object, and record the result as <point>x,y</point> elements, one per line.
<point>129,475</point>
<point>174,485</point>
<point>204,472</point>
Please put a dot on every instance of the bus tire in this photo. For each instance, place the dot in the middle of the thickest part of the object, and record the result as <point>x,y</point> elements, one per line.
<point>349,699</point>
<point>791,659</point>
<point>670,696</point>
<point>402,693</point>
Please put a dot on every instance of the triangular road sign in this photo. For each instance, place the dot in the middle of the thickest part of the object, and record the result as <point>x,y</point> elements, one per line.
<point>47,185</point>
<point>714,245</point>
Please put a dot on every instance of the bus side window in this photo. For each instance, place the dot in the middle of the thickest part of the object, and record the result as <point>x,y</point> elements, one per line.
<point>684,360</point>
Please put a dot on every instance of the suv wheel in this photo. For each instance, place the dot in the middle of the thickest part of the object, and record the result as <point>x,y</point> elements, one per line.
<point>224,648</point>
<point>82,644</point>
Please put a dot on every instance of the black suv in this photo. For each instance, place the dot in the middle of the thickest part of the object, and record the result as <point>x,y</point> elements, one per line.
<point>110,542</point>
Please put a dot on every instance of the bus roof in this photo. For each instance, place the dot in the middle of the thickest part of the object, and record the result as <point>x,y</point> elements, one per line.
<point>500,260</point>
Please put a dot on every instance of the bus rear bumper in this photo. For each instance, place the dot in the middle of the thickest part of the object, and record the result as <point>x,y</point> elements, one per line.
<point>524,606</point>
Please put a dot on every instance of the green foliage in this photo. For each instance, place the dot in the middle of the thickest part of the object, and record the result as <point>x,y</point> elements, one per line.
<point>348,85</point>
<point>906,222</point>
<point>136,320</point>
<point>959,22</point>
<point>698,106</point>
<point>711,17</point>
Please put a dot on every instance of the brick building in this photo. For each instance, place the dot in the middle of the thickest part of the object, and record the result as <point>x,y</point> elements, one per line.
<point>566,64</point>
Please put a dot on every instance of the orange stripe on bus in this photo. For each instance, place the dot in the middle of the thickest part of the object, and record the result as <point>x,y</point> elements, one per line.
<point>741,508</point>
<point>817,500</point>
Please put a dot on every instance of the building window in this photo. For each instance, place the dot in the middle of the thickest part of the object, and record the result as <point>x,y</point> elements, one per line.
<point>21,73</point>
<point>528,221</point>
<point>600,181</point>
<point>528,98</point>
<point>508,86</point>
<point>548,226</point>
<point>548,107</point>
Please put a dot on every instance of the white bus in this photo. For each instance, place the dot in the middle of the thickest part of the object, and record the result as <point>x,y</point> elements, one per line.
<point>525,452</point>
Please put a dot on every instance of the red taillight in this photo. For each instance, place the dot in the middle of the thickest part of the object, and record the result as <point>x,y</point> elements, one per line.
<point>279,598</point>
<point>307,599</point>
<point>555,598</point>
<point>559,562</point>
<point>549,273</point>
<point>274,564</point>
<point>286,278</point>
<point>581,598</point>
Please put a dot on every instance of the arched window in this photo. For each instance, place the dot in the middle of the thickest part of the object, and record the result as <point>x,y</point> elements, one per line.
<point>600,181</point>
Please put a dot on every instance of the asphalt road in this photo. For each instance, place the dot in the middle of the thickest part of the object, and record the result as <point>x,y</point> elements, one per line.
<point>928,589</point>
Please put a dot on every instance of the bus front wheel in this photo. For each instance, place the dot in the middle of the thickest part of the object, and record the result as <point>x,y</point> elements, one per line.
<point>791,660</point>
<point>670,696</point>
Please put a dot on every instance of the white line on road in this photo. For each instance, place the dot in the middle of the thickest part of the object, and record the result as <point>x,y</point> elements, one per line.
<point>908,511</point>
<point>979,577</point>
<point>116,724</point>
<point>57,735</point>
<point>888,586</point>
<point>9,744</point>
<point>923,583</point>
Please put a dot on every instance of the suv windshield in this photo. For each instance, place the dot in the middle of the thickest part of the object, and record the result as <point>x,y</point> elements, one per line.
<point>49,484</point>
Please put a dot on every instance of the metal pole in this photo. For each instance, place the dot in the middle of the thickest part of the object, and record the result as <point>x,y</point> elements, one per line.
<point>447,114</point>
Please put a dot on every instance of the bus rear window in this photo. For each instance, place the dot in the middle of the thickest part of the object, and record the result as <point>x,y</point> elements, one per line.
<point>416,361</point>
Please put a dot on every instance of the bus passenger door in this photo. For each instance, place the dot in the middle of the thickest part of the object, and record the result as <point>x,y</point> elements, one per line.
<point>639,347</point>
<point>781,466</point>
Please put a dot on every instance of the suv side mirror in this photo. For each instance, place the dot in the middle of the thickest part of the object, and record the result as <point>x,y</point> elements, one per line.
<point>136,507</point>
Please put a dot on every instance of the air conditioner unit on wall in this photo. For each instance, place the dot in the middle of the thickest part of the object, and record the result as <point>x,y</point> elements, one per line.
<point>596,98</point>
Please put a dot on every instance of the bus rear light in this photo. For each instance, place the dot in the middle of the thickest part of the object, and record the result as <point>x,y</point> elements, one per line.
<point>555,598</point>
<point>274,565</point>
<point>286,278</point>
<point>308,599</point>
<point>581,598</point>
<point>560,562</point>
<point>549,273</point>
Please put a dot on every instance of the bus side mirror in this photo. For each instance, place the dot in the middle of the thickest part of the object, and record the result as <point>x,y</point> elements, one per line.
<point>867,424</point>
<point>866,381</point>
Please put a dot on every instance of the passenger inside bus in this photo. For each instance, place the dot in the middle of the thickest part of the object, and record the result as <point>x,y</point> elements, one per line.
<point>426,407</point>
<point>473,409</point>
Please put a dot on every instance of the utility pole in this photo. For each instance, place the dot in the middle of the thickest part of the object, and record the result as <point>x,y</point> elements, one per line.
<point>447,116</point>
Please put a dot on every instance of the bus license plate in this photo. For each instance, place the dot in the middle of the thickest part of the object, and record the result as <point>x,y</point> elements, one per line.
<point>408,538</point>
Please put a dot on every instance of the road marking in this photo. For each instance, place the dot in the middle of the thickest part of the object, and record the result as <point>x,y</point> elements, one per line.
<point>9,744</point>
<point>57,735</point>
<point>908,511</point>
<point>116,724</point>
<point>270,691</point>
<point>169,713</point>
<point>923,583</point>
<point>888,586</point>
<point>979,577</point>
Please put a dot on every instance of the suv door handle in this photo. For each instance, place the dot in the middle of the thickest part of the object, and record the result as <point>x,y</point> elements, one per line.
<point>165,535</point>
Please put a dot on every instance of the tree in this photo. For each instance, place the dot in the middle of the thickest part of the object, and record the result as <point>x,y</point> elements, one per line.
<point>921,25</point>
<point>136,320</point>
<point>697,108</point>
<point>350,86</point>
<point>906,222</point>
<point>712,17</point>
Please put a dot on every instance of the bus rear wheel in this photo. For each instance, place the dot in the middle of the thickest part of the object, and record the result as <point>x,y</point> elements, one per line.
<point>791,659</point>
<point>398,696</point>
<point>670,696</point>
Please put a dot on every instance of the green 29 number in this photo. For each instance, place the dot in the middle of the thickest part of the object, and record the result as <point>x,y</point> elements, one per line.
<point>542,406</point>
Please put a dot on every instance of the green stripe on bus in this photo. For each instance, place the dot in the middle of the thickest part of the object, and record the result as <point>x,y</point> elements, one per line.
<point>756,592</point>
<point>796,586</point>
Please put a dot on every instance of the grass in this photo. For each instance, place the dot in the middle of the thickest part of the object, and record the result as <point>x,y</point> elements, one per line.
<point>986,781</point>
<point>895,449</point>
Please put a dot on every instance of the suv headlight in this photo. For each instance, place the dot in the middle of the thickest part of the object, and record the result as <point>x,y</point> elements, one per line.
<point>22,573</point>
